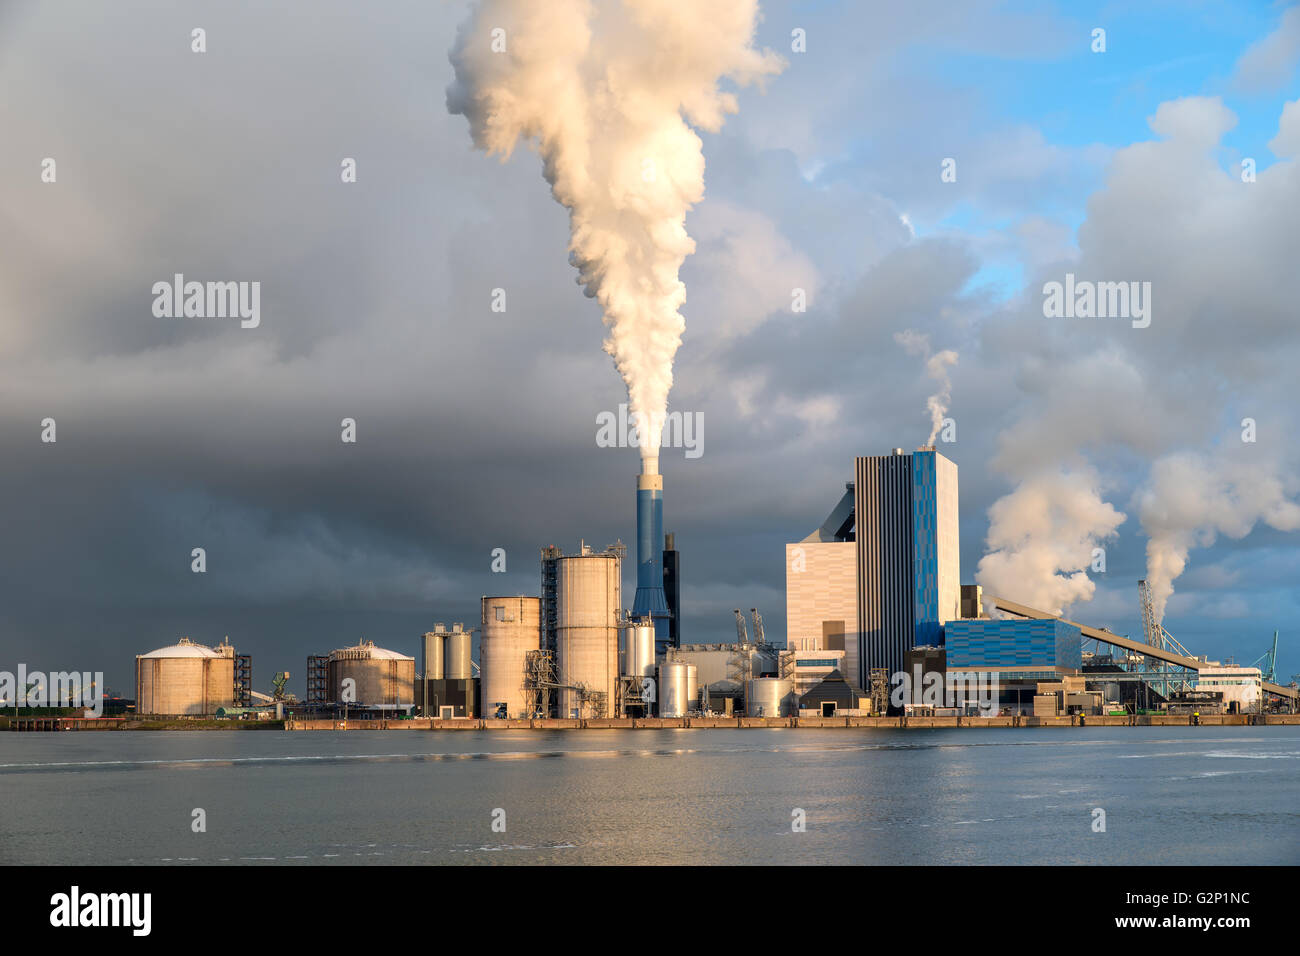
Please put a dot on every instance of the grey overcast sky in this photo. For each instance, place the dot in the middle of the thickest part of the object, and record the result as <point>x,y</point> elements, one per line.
<point>476,429</point>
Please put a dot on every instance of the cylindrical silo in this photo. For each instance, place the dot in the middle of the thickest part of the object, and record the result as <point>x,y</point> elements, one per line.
<point>588,597</point>
<point>380,678</point>
<point>511,627</point>
<point>456,654</point>
<point>768,697</point>
<point>185,679</point>
<point>433,654</point>
<point>639,650</point>
<point>678,688</point>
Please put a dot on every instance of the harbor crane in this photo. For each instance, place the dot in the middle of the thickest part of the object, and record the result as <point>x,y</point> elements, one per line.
<point>1267,663</point>
<point>742,634</point>
<point>759,637</point>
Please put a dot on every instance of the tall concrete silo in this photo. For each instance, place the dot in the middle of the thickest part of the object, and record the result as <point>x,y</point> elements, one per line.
<point>511,627</point>
<point>588,597</point>
<point>383,678</point>
<point>185,679</point>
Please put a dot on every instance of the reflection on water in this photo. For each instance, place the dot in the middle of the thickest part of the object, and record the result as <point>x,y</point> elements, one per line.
<point>1171,795</point>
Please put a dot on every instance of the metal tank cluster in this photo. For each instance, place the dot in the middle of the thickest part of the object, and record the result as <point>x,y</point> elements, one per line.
<point>574,651</point>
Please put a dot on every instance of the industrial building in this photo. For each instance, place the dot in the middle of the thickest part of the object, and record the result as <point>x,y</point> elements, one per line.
<point>1240,689</point>
<point>448,687</point>
<point>809,662</point>
<point>833,696</point>
<point>873,594</point>
<point>883,572</point>
<point>881,578</point>
<point>185,679</point>
<point>1035,649</point>
<point>908,554</point>
<point>821,603</point>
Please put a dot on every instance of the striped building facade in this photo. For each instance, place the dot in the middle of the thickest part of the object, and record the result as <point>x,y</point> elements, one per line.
<point>909,568</point>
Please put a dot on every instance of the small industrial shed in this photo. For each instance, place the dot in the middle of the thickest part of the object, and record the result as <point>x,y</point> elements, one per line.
<point>833,697</point>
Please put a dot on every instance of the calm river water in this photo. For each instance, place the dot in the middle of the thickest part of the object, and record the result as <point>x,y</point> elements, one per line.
<point>1205,795</point>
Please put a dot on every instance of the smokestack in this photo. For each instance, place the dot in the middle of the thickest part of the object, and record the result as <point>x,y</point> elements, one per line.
<point>650,600</point>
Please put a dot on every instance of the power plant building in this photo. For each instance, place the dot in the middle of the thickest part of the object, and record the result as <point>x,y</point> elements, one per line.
<point>882,574</point>
<point>909,564</point>
<point>821,587</point>
<point>1046,647</point>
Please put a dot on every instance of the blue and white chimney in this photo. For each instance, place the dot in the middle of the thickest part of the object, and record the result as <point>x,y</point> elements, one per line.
<point>650,600</point>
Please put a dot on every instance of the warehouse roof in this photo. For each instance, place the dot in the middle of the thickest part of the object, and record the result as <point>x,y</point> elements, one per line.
<point>835,688</point>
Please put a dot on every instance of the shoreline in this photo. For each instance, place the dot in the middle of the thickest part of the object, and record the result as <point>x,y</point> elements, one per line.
<point>54,724</point>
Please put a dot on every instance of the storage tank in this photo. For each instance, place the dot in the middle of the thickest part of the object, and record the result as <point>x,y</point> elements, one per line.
<point>678,688</point>
<point>588,597</point>
<point>769,697</point>
<point>511,627</point>
<point>456,654</point>
<point>433,653</point>
<point>383,678</point>
<point>639,650</point>
<point>185,679</point>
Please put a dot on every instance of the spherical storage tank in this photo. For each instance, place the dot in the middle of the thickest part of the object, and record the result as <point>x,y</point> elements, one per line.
<point>383,678</point>
<point>185,678</point>
<point>587,597</point>
<point>678,688</point>
<point>511,627</point>
<point>769,697</point>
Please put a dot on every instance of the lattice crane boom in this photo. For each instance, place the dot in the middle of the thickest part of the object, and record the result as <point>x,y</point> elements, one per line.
<point>742,635</point>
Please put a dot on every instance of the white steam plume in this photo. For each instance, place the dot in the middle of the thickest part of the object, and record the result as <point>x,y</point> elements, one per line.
<point>1041,539</point>
<point>604,91</point>
<point>1189,501</point>
<point>936,366</point>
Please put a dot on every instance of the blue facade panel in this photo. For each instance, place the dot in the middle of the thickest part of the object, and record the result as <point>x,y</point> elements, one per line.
<point>925,538</point>
<point>974,644</point>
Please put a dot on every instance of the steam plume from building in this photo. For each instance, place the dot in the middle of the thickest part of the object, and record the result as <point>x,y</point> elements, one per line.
<point>1190,499</point>
<point>607,91</point>
<point>937,365</point>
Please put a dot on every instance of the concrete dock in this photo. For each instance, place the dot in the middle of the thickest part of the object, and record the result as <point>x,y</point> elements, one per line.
<point>702,723</point>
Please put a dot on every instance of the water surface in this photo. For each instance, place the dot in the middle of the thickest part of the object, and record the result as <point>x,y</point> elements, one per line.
<point>1204,795</point>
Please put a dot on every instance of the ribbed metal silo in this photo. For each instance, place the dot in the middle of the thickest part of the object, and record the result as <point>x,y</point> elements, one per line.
<point>678,688</point>
<point>769,697</point>
<point>383,678</point>
<point>639,650</point>
<point>456,654</point>
<point>511,627</point>
<point>185,679</point>
<point>588,598</point>
<point>433,653</point>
